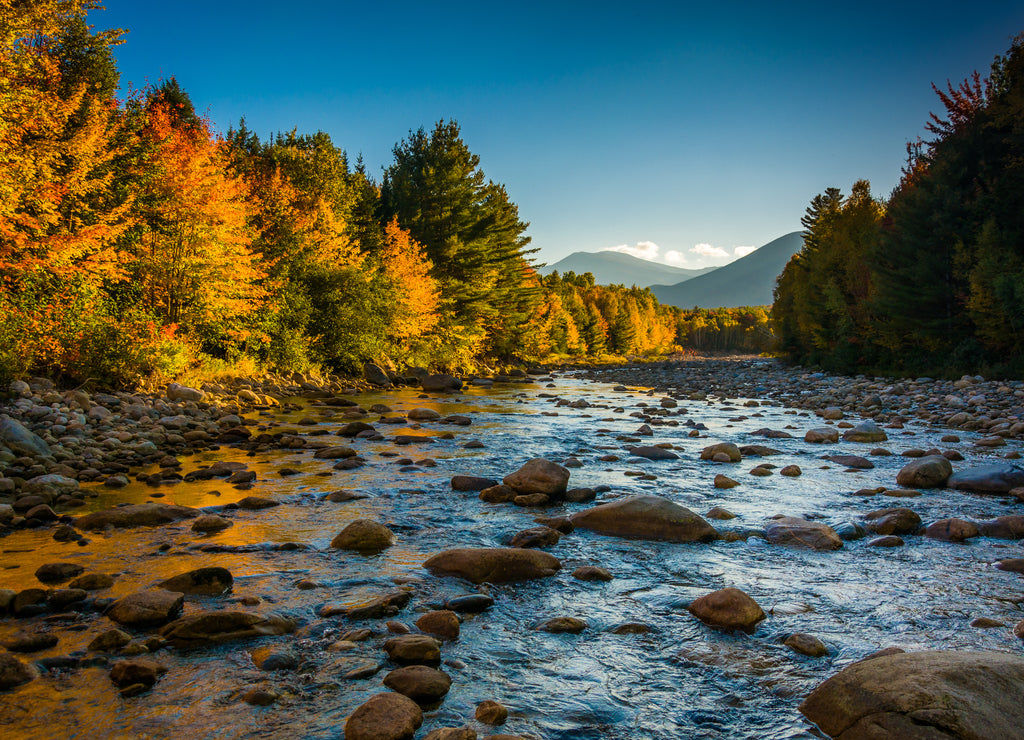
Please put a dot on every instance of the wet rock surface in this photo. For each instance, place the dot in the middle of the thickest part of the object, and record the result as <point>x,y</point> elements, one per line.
<point>290,637</point>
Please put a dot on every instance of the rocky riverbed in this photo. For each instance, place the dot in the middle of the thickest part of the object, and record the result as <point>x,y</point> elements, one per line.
<point>705,548</point>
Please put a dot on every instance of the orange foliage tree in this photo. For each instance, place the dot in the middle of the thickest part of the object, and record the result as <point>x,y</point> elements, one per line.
<point>192,256</point>
<point>405,270</point>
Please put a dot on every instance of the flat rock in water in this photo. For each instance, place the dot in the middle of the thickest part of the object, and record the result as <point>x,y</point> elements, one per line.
<point>923,696</point>
<point>646,518</point>
<point>387,716</point>
<point>413,650</point>
<point>654,453</point>
<point>207,628</point>
<point>795,532</point>
<point>851,461</point>
<point>136,515</point>
<point>494,564</point>
<point>994,478</point>
<point>472,483</point>
<point>1009,527</point>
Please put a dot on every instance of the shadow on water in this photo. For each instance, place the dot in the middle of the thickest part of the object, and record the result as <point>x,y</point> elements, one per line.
<point>676,679</point>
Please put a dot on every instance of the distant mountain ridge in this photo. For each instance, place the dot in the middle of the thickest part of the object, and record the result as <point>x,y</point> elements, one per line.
<point>749,281</point>
<point>618,268</point>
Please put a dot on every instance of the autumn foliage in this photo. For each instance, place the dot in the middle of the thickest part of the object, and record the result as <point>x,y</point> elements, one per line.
<point>135,241</point>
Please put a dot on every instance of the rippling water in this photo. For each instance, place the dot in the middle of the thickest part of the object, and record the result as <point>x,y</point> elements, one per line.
<point>680,680</point>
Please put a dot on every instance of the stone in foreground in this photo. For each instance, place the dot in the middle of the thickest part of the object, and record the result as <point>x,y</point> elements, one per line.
<point>646,518</point>
<point>923,696</point>
<point>387,716</point>
<point>925,472</point>
<point>994,478</point>
<point>494,564</point>
<point>727,609</point>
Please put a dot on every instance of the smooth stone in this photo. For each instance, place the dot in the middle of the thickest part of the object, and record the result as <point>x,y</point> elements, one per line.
<point>952,530</point>
<point>420,683</point>
<point>364,535</point>
<point>209,523</point>
<point>725,482</point>
<point>654,453</point>
<point>993,478</point>
<point>211,581</point>
<point>539,476</point>
<point>922,696</point>
<point>387,716</point>
<point>925,472</point>
<point>443,623</point>
<point>791,471</point>
<point>731,451</point>
<point>414,649</point>
<point>138,671</point>
<point>591,573</point>
<point>892,521</point>
<point>889,540</point>
<point>727,609</point>
<point>851,461</point>
<point>645,517</point>
<point>796,532</point>
<point>14,672</point>
<point>471,483</point>
<point>805,644</point>
<point>867,432</point>
<point>51,573</point>
<point>821,435</point>
<point>147,608</point>
<point>493,564</point>
<point>558,625</point>
<point>491,712</point>
<point>1008,527</point>
<point>542,536</point>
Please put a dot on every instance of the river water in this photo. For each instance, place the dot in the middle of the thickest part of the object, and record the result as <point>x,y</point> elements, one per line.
<point>679,680</point>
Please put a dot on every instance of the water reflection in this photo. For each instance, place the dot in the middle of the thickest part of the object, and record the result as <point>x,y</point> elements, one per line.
<point>677,679</point>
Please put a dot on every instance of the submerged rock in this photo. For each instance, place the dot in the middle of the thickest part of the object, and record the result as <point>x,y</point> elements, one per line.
<point>211,581</point>
<point>646,518</point>
<point>206,628</point>
<point>923,696</point>
<point>136,515</point>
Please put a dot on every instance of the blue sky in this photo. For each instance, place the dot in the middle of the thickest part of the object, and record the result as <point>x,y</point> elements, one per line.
<point>678,132</point>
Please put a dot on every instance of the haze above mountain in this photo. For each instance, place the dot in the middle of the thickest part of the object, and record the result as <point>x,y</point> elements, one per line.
<point>618,268</point>
<point>749,281</point>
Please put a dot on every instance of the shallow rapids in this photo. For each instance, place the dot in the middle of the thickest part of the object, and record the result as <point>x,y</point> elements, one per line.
<point>678,680</point>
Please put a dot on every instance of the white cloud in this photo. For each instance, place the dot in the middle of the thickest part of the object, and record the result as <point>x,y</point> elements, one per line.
<point>743,251</point>
<point>707,250</point>
<point>643,250</point>
<point>675,257</point>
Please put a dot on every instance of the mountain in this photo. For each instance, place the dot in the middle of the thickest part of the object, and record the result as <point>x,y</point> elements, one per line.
<point>748,281</point>
<point>615,268</point>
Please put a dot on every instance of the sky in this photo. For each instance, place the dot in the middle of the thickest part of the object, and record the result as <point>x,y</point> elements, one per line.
<point>678,132</point>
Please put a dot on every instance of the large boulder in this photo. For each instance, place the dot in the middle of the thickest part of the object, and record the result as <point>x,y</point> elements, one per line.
<point>364,535</point>
<point>136,515</point>
<point>440,383</point>
<point>925,472</point>
<point>866,431</point>
<point>15,437</point>
<point>994,478</point>
<point>207,628</point>
<point>796,532</point>
<point>52,485</point>
<point>494,564</point>
<point>727,609</point>
<point>539,476</point>
<point>1008,527</point>
<point>387,716</point>
<point>647,518</point>
<point>934,695</point>
<point>147,608</point>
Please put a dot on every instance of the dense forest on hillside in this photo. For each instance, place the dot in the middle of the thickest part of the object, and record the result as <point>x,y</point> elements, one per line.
<point>136,242</point>
<point>931,280</point>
